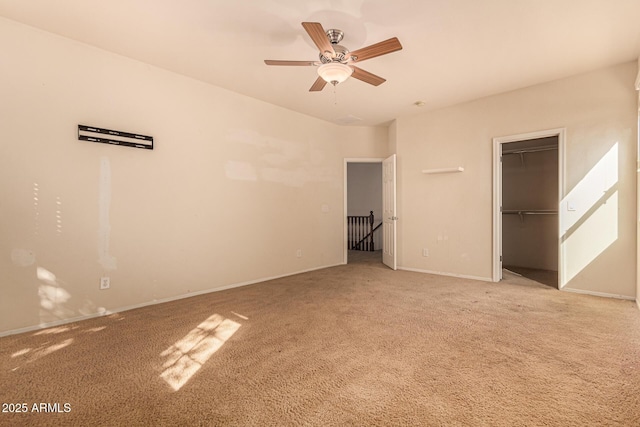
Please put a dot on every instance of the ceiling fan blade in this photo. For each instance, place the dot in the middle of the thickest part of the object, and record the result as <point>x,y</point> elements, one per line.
<point>382,48</point>
<point>318,85</point>
<point>367,77</point>
<point>296,63</point>
<point>319,37</point>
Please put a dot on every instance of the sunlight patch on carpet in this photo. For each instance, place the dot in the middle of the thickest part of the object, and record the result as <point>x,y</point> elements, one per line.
<point>184,358</point>
<point>240,315</point>
<point>28,355</point>
<point>50,331</point>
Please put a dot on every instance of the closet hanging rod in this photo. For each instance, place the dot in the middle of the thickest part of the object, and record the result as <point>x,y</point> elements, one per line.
<point>529,150</point>
<point>531,212</point>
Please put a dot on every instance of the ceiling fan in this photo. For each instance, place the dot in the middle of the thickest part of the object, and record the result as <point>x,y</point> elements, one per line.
<point>335,65</point>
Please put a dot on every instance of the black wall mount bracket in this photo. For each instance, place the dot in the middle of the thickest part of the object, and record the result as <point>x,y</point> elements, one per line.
<point>114,137</point>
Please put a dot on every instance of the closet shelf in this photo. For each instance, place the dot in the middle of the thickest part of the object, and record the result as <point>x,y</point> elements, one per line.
<point>523,151</point>
<point>443,170</point>
<point>522,213</point>
<point>530,150</point>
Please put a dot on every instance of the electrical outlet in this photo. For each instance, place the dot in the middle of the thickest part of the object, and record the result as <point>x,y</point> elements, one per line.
<point>299,253</point>
<point>425,252</point>
<point>105,283</point>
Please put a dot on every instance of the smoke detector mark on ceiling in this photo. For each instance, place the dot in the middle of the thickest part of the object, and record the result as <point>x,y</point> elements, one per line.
<point>348,120</point>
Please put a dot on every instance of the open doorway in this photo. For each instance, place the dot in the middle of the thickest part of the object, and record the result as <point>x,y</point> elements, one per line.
<point>364,211</point>
<point>528,187</point>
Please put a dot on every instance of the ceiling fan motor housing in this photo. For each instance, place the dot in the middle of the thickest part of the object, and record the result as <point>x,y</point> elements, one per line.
<point>335,36</point>
<point>340,56</point>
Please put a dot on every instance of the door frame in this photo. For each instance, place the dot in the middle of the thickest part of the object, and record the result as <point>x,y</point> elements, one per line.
<point>345,234</point>
<point>497,195</point>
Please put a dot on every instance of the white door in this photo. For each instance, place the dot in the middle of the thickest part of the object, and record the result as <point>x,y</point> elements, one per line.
<point>499,214</point>
<point>389,212</point>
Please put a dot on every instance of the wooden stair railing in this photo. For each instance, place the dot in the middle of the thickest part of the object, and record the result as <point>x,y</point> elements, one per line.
<point>363,240</point>
<point>360,232</point>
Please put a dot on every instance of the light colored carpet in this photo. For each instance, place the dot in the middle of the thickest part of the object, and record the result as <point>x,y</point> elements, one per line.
<point>351,345</point>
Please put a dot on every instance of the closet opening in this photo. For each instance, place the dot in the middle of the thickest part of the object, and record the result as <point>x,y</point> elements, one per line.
<point>530,209</point>
<point>528,188</point>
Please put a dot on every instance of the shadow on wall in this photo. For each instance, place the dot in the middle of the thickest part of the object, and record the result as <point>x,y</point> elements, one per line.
<point>590,220</point>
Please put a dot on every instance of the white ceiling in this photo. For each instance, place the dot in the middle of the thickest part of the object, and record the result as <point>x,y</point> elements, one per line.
<point>453,50</point>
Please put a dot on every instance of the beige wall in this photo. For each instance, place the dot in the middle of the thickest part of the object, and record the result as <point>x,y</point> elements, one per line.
<point>232,190</point>
<point>451,214</point>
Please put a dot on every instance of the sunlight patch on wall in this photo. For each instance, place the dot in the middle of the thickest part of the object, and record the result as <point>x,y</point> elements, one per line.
<point>53,297</point>
<point>184,358</point>
<point>589,224</point>
<point>46,276</point>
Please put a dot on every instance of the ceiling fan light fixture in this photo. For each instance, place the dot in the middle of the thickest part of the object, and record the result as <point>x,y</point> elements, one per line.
<point>334,72</point>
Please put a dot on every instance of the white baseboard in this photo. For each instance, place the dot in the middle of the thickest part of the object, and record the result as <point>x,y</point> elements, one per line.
<point>598,294</point>
<point>45,325</point>
<point>441,273</point>
<point>488,279</point>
